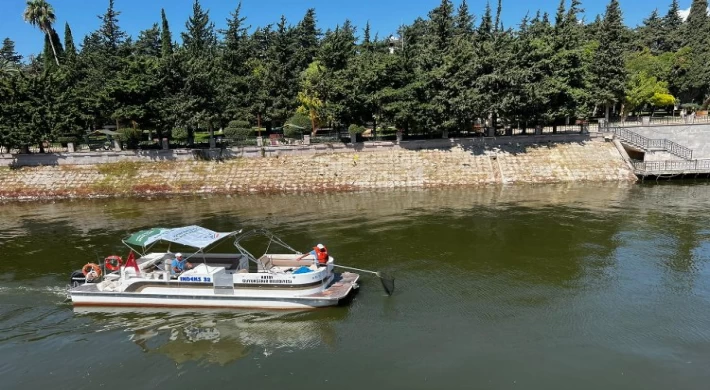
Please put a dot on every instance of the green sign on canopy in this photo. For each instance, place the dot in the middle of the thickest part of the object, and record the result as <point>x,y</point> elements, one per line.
<point>144,238</point>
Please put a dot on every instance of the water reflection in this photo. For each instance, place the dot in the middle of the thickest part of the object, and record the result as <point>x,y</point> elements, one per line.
<point>218,337</point>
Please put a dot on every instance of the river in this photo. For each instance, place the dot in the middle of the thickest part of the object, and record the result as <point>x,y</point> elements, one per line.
<point>586,286</point>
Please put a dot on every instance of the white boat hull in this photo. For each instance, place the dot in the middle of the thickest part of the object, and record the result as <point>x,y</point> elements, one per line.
<point>275,298</point>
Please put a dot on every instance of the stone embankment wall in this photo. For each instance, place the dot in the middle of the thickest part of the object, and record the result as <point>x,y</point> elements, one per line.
<point>392,168</point>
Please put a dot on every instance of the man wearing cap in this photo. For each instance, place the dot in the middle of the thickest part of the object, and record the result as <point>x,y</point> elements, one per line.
<point>320,255</point>
<point>180,264</point>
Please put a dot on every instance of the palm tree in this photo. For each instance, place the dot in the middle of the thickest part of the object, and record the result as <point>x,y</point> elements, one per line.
<point>40,14</point>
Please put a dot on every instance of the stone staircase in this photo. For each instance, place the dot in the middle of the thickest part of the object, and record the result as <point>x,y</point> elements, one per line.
<point>653,144</point>
<point>679,159</point>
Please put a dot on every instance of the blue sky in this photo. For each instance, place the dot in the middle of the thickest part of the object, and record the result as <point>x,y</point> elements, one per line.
<point>384,15</point>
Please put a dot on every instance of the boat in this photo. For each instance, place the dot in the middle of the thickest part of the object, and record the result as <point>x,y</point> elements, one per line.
<point>217,280</point>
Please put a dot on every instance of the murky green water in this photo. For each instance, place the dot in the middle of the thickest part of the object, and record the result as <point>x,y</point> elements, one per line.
<point>549,287</point>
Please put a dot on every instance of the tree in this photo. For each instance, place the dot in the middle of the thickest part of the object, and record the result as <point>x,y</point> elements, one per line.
<point>111,36</point>
<point>609,73</point>
<point>672,24</point>
<point>310,95</point>
<point>69,47</point>
<point>148,43</point>
<point>40,14</point>
<point>692,81</point>
<point>166,39</point>
<point>306,35</point>
<point>652,34</point>
<point>237,51</point>
<point>199,37</point>
<point>8,53</point>
<point>464,21</point>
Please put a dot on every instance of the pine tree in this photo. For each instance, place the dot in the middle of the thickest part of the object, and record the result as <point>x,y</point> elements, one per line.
<point>148,43</point>
<point>8,53</point>
<point>166,38</point>
<point>112,37</point>
<point>672,23</point>
<point>366,39</point>
<point>464,21</point>
<point>237,52</point>
<point>307,36</point>
<point>608,68</point>
<point>199,36</point>
<point>652,33</point>
<point>692,82</point>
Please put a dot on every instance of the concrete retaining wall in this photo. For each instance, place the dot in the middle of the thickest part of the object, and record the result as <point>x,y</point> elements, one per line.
<point>101,157</point>
<point>463,164</point>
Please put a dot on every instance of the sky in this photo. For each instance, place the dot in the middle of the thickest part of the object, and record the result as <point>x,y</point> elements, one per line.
<point>384,15</point>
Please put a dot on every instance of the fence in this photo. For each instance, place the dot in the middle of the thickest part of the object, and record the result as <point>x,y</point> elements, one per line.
<point>673,166</point>
<point>654,143</point>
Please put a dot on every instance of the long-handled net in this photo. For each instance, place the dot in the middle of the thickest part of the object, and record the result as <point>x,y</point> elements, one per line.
<point>386,279</point>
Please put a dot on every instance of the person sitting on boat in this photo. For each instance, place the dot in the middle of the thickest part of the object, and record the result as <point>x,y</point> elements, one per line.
<point>320,255</point>
<point>179,264</point>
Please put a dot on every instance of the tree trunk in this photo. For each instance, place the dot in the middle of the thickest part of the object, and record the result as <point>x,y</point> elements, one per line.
<point>606,116</point>
<point>51,43</point>
<point>312,113</point>
<point>374,129</point>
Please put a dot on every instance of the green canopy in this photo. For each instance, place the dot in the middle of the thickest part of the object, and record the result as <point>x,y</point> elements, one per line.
<point>192,236</point>
<point>144,238</point>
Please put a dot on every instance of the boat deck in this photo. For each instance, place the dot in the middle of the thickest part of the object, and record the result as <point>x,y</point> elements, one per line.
<point>342,285</point>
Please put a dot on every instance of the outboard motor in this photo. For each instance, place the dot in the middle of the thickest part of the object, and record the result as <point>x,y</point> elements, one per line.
<point>77,278</point>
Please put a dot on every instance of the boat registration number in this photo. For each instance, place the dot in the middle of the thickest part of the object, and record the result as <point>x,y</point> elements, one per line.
<point>195,279</point>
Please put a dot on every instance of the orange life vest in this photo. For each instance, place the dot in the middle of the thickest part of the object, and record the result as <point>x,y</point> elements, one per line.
<point>322,257</point>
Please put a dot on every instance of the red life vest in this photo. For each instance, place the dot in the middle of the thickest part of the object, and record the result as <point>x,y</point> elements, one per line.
<point>322,257</point>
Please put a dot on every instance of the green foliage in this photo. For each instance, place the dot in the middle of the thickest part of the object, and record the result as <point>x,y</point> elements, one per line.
<point>292,132</point>
<point>179,134</point>
<point>441,72</point>
<point>356,129</point>
<point>130,137</point>
<point>608,68</point>
<point>238,129</point>
<point>301,120</point>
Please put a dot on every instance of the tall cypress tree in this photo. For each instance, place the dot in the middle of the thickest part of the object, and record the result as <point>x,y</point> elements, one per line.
<point>166,38</point>
<point>69,47</point>
<point>608,68</point>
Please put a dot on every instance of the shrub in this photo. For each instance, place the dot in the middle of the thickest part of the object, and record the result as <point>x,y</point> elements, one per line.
<point>293,132</point>
<point>237,124</point>
<point>356,129</point>
<point>300,120</point>
<point>65,140</point>
<point>130,136</point>
<point>179,134</point>
<point>237,130</point>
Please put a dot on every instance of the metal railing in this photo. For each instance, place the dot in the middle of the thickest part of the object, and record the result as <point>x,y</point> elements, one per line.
<point>653,143</point>
<point>673,166</point>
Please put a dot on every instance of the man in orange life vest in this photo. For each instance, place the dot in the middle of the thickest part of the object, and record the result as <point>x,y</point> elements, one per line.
<point>320,255</point>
